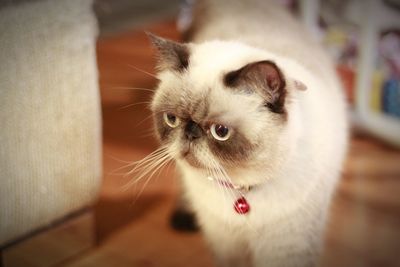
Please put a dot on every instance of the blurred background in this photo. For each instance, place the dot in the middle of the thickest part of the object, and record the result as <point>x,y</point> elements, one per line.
<point>76,78</point>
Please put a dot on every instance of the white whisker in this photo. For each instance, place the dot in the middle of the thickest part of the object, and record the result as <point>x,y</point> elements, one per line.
<point>148,117</point>
<point>149,178</point>
<point>143,71</point>
<point>146,169</point>
<point>129,88</point>
<point>251,227</point>
<point>117,159</point>
<point>134,104</point>
<point>151,157</point>
<point>221,187</point>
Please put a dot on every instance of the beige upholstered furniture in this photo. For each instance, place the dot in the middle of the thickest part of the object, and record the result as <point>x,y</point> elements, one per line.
<point>50,124</point>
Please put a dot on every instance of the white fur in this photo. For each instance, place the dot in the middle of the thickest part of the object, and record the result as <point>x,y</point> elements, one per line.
<point>290,202</point>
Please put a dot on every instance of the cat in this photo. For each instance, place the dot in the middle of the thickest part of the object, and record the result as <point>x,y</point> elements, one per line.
<point>252,112</point>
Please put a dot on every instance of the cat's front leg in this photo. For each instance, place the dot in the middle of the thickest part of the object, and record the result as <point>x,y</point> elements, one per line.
<point>229,247</point>
<point>232,255</point>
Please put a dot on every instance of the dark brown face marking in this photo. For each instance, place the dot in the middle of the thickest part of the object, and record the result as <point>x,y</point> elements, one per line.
<point>172,55</point>
<point>235,150</point>
<point>162,130</point>
<point>263,77</point>
<point>193,112</point>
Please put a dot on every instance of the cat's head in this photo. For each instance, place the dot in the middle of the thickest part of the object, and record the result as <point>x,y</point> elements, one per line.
<point>221,105</point>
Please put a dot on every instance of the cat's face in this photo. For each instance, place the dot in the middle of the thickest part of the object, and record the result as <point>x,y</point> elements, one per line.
<point>210,114</point>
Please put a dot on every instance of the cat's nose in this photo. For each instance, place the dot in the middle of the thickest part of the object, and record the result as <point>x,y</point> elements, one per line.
<point>193,130</point>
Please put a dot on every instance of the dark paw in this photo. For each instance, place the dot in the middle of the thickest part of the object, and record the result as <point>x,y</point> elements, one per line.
<point>184,221</point>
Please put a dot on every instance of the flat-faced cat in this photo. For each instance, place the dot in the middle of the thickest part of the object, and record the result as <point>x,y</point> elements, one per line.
<point>253,115</point>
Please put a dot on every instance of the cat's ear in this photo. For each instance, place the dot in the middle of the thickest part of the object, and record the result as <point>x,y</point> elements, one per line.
<point>171,55</point>
<point>264,77</point>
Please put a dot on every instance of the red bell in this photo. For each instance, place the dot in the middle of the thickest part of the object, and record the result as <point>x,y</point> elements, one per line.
<point>241,206</point>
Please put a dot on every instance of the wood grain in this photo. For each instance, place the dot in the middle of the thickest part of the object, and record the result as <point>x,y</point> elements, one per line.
<point>53,246</point>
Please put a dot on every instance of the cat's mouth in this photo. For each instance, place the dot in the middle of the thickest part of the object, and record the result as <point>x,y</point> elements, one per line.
<point>190,158</point>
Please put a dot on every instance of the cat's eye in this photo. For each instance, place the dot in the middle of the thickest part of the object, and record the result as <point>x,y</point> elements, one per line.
<point>220,132</point>
<point>171,120</point>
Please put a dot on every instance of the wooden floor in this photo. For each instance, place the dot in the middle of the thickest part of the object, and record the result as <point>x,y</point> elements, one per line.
<point>134,231</point>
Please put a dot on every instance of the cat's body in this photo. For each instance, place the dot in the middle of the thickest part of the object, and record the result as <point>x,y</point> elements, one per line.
<point>287,144</point>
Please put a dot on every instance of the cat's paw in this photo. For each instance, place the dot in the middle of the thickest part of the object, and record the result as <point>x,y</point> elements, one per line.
<point>184,221</point>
